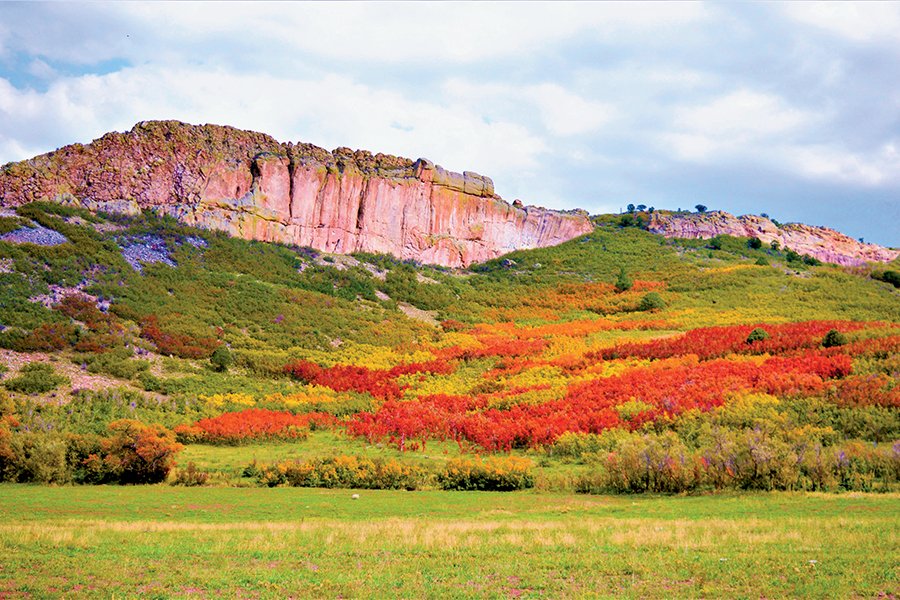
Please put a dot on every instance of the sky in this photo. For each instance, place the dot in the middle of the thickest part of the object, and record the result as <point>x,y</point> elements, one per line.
<point>789,109</point>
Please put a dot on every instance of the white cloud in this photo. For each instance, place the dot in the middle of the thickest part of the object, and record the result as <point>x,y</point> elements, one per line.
<point>876,168</point>
<point>856,21</point>
<point>411,32</point>
<point>562,112</point>
<point>742,114</point>
<point>565,113</point>
<point>330,111</point>
<point>741,123</point>
<point>763,129</point>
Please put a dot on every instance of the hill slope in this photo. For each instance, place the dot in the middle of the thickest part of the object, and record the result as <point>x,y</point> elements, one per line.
<point>822,243</point>
<point>616,344</point>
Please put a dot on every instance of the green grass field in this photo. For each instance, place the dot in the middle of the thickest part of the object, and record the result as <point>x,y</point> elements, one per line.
<point>161,541</point>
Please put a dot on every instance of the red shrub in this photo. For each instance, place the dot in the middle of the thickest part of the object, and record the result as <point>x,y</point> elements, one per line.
<point>252,424</point>
<point>176,344</point>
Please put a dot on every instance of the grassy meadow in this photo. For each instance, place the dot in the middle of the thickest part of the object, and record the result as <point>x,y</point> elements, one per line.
<point>160,541</point>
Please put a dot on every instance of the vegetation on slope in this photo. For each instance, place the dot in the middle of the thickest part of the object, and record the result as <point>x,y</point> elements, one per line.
<point>660,385</point>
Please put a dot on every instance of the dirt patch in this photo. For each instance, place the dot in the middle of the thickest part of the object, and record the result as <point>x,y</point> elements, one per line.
<point>426,316</point>
<point>80,379</point>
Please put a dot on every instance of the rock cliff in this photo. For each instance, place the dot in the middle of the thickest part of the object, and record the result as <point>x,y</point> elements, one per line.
<point>822,243</point>
<point>250,185</point>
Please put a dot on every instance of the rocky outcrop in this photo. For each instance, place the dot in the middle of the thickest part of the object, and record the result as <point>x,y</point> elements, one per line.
<point>822,243</point>
<point>250,185</point>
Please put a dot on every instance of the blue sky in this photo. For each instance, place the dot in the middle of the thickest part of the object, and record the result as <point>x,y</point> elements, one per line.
<point>792,109</point>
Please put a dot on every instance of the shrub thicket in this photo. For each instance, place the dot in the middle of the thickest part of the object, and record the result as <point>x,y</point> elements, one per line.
<point>35,378</point>
<point>343,472</point>
<point>131,453</point>
<point>499,474</point>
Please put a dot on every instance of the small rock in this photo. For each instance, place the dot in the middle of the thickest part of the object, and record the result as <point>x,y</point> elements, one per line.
<point>354,497</point>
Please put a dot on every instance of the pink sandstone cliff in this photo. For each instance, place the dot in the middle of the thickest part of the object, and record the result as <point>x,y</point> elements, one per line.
<point>822,243</point>
<point>250,185</point>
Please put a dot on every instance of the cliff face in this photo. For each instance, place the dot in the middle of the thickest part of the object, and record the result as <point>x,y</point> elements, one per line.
<point>822,243</point>
<point>250,185</point>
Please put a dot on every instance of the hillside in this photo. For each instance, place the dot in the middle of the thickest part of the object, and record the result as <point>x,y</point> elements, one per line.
<point>250,185</point>
<point>822,243</point>
<point>617,341</point>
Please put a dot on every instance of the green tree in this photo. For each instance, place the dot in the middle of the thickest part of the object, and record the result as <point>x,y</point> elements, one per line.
<point>221,359</point>
<point>834,338</point>
<point>623,282</point>
<point>652,301</point>
<point>700,208</point>
<point>757,335</point>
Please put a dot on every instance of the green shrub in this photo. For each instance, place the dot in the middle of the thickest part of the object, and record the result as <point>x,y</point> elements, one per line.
<point>36,457</point>
<point>588,445</point>
<point>190,476</point>
<point>221,359</point>
<point>623,281</point>
<point>762,262</point>
<point>8,224</point>
<point>757,335</point>
<point>650,463</point>
<point>754,243</point>
<point>811,260</point>
<point>403,285</point>
<point>36,378</point>
<point>891,277</point>
<point>499,474</point>
<point>651,301</point>
<point>7,404</point>
<point>117,363</point>
<point>342,472</point>
<point>834,338</point>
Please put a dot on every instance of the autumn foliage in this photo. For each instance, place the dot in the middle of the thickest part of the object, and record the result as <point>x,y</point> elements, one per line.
<point>253,424</point>
<point>175,344</point>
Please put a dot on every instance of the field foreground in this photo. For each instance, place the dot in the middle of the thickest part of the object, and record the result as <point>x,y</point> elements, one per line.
<point>160,541</point>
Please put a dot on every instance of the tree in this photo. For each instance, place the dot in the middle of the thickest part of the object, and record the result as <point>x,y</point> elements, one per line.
<point>755,243</point>
<point>700,208</point>
<point>650,210</point>
<point>652,301</point>
<point>642,207</point>
<point>757,335</point>
<point>834,338</point>
<point>891,277</point>
<point>623,282</point>
<point>138,453</point>
<point>630,208</point>
<point>221,359</point>
<point>775,245</point>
